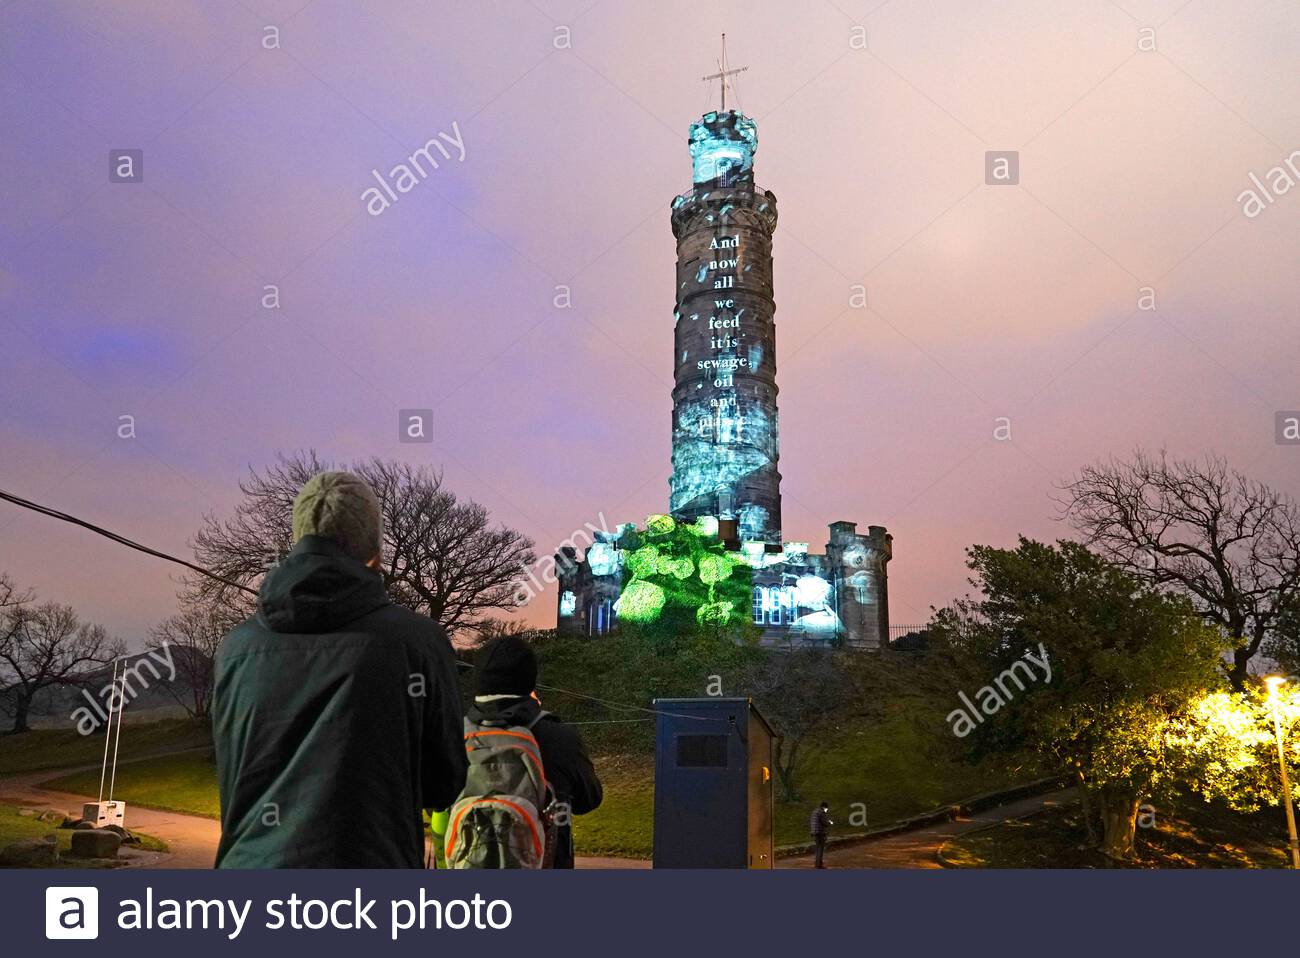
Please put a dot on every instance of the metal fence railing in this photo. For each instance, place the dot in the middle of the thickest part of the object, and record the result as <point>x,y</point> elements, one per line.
<point>907,638</point>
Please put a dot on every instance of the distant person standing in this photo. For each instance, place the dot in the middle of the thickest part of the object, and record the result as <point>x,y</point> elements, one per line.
<point>336,714</point>
<point>820,826</point>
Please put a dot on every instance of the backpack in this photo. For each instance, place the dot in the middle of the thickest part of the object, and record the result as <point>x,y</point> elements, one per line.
<point>501,819</point>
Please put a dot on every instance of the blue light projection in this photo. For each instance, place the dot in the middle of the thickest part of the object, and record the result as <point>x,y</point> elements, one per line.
<point>725,437</point>
<point>722,146</point>
<point>804,603</point>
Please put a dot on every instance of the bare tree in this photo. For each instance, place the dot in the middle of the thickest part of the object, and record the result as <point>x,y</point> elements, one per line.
<point>48,645</point>
<point>441,556</point>
<point>1231,544</point>
<point>12,604</point>
<point>193,636</point>
<point>799,691</point>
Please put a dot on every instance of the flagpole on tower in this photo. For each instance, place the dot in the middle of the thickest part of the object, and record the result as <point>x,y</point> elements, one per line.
<point>723,73</point>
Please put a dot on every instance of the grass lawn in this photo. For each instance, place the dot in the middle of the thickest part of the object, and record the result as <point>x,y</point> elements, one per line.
<point>187,783</point>
<point>623,825</point>
<point>875,772</point>
<point>184,782</point>
<point>66,748</point>
<point>889,767</point>
<point>1195,835</point>
<point>888,757</point>
<point>14,827</point>
<point>886,767</point>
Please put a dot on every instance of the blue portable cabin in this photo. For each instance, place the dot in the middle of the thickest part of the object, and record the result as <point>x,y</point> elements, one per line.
<point>713,784</point>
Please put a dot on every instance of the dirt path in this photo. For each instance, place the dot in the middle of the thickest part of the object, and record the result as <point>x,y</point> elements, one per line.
<point>191,838</point>
<point>920,848</point>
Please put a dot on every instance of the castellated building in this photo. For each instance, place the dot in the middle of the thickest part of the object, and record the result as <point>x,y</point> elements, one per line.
<point>725,431</point>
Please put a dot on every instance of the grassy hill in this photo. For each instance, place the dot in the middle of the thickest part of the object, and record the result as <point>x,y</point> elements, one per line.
<point>886,757</point>
<point>65,748</point>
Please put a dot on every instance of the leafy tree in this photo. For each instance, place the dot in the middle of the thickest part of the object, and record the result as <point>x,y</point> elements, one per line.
<point>441,556</point>
<point>1129,662</point>
<point>1228,543</point>
<point>1284,643</point>
<point>1229,749</point>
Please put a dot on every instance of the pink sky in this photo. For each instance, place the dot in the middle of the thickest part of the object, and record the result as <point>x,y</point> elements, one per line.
<point>985,301</point>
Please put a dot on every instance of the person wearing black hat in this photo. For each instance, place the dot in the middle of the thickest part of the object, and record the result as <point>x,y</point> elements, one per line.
<point>505,689</point>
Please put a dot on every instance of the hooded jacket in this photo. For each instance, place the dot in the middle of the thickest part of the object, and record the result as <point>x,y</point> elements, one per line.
<point>336,719</point>
<point>565,762</point>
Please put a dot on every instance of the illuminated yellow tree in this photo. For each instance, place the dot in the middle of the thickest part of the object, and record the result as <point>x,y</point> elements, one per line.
<point>1228,749</point>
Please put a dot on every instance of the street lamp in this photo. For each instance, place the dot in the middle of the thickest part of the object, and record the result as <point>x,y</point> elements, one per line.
<point>1274,682</point>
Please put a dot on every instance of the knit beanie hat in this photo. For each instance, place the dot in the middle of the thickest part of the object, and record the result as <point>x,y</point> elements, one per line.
<point>506,666</point>
<point>340,506</point>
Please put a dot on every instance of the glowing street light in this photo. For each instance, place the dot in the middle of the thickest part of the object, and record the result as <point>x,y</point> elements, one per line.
<point>1274,682</point>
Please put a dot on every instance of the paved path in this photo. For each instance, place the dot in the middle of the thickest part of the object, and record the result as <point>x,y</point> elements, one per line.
<point>191,838</point>
<point>920,848</point>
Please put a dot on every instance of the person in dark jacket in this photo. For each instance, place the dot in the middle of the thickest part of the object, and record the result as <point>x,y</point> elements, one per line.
<point>505,676</point>
<point>820,827</point>
<point>336,715</point>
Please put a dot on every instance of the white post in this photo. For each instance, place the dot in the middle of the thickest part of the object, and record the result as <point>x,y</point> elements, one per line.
<point>108,732</point>
<point>117,742</point>
<point>1294,843</point>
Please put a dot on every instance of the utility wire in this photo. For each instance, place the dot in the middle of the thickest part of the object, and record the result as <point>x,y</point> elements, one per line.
<point>618,705</point>
<point>121,540</point>
<point>132,544</point>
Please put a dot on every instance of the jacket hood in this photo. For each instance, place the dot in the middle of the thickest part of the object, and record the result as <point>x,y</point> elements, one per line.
<point>318,588</point>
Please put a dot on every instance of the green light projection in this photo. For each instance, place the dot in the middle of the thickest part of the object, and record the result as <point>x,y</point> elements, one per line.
<point>677,574</point>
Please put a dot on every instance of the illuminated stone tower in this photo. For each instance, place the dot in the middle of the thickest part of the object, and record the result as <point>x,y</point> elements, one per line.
<point>726,444</point>
<point>725,436</point>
